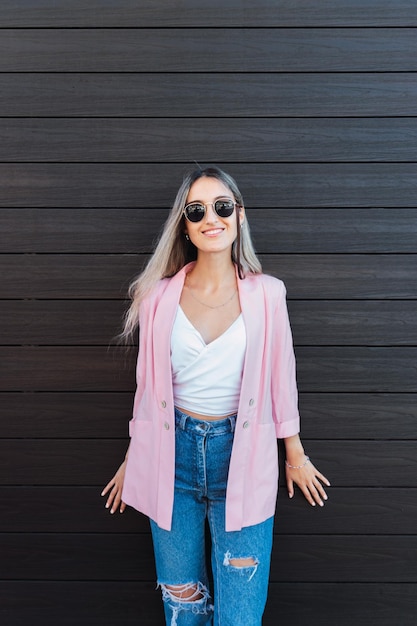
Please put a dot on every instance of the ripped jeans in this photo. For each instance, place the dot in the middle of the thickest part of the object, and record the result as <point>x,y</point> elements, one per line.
<point>240,560</point>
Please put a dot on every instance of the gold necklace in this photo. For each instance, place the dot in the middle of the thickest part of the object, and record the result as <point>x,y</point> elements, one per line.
<point>209,306</point>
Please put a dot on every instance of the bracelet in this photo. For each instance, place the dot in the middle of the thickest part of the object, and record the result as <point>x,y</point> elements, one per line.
<point>297,466</point>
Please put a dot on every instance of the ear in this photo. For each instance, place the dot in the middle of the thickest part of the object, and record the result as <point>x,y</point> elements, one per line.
<point>241,215</point>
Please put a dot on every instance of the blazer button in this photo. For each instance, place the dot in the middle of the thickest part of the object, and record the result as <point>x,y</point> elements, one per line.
<point>166,426</point>
<point>251,402</point>
<point>163,404</point>
<point>246,425</point>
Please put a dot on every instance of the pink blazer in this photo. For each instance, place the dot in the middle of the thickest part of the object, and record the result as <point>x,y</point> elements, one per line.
<point>267,406</point>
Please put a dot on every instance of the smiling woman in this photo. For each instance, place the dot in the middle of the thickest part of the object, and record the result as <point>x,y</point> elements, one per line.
<point>216,227</point>
<point>216,386</point>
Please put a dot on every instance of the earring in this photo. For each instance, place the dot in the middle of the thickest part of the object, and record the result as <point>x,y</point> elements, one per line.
<point>187,237</point>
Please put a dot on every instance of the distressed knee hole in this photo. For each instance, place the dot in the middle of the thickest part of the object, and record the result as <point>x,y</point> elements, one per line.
<point>249,562</point>
<point>241,564</point>
<point>191,597</point>
<point>190,592</point>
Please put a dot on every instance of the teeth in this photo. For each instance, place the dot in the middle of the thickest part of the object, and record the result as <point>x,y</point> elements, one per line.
<point>213,232</point>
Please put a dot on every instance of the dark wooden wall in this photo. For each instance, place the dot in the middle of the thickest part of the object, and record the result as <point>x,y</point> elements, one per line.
<point>312,107</point>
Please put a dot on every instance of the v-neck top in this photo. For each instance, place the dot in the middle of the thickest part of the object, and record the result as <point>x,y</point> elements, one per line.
<point>207,377</point>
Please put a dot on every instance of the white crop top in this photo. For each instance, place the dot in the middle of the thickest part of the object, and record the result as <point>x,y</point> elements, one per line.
<point>207,377</point>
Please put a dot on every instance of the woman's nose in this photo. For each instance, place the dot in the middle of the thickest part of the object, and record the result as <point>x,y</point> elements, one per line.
<point>211,215</point>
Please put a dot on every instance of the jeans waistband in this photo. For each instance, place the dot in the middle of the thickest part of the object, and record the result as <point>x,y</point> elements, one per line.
<point>191,424</point>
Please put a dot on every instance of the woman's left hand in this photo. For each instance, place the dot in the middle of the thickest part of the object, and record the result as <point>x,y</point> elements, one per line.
<point>309,480</point>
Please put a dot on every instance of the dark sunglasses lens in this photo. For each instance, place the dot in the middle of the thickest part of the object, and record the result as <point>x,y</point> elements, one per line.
<point>224,208</point>
<point>195,212</point>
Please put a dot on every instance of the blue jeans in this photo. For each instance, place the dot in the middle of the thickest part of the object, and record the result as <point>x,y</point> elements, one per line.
<point>240,560</point>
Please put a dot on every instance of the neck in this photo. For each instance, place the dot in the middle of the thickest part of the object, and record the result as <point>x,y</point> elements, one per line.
<point>213,270</point>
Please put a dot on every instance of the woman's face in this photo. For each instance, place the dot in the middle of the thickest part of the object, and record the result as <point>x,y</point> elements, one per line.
<point>213,233</point>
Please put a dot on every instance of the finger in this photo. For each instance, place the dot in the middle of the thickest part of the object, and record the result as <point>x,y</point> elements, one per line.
<point>321,490</point>
<point>323,478</point>
<point>111,497</point>
<point>122,506</point>
<point>107,488</point>
<point>290,487</point>
<point>116,501</point>
<point>308,496</point>
<point>114,504</point>
<point>316,494</point>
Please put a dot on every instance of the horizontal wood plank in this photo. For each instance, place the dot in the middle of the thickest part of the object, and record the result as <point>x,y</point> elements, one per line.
<point>106,415</point>
<point>347,323</point>
<point>358,369</point>
<point>57,322</point>
<point>343,604</point>
<point>126,231</point>
<point>69,414</point>
<point>333,230</point>
<point>150,95</point>
<point>130,557</point>
<point>247,140</point>
<point>353,511</point>
<point>360,415</point>
<point>130,13</point>
<point>314,323</point>
<point>202,50</point>
<point>320,369</point>
<point>344,277</point>
<point>271,185</point>
<point>31,368</point>
<point>318,276</point>
<point>133,603</point>
<point>76,462</point>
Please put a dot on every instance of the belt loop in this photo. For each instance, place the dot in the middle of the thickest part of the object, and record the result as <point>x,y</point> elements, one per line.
<point>232,421</point>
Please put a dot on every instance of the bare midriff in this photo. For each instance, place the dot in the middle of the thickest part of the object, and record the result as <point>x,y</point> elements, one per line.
<point>206,418</point>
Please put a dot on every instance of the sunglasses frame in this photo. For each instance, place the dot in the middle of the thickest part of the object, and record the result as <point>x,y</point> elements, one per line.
<point>204,206</point>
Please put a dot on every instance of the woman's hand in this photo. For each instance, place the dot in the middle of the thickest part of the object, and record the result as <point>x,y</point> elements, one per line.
<point>309,480</point>
<point>300,470</point>
<point>114,489</point>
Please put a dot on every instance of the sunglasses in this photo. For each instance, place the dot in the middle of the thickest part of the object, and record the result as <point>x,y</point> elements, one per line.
<point>195,211</point>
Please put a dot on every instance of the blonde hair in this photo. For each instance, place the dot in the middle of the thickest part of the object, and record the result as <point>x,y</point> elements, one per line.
<point>173,250</point>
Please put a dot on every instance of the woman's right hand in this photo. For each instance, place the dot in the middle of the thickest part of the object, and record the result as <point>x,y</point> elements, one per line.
<point>114,490</point>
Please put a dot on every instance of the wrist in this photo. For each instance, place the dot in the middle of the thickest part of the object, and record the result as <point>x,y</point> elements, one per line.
<point>294,450</point>
<point>300,466</point>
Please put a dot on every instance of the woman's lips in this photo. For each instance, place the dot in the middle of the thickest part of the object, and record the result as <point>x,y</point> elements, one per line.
<point>213,232</point>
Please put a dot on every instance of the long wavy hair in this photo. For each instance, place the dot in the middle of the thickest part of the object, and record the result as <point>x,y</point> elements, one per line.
<point>173,250</point>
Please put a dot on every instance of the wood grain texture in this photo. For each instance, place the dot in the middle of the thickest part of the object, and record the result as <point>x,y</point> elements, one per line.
<point>342,604</point>
<point>75,13</point>
<point>129,557</point>
<point>135,602</point>
<point>155,184</point>
<point>105,414</point>
<point>223,50</point>
<point>143,95</point>
<point>352,511</point>
<point>53,462</point>
<point>358,323</point>
<point>237,140</point>
<point>314,323</point>
<point>358,415</point>
<point>357,369</point>
<point>31,368</point>
<point>54,322</point>
<point>69,414</point>
<point>317,276</point>
<point>320,369</point>
<point>127,231</point>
